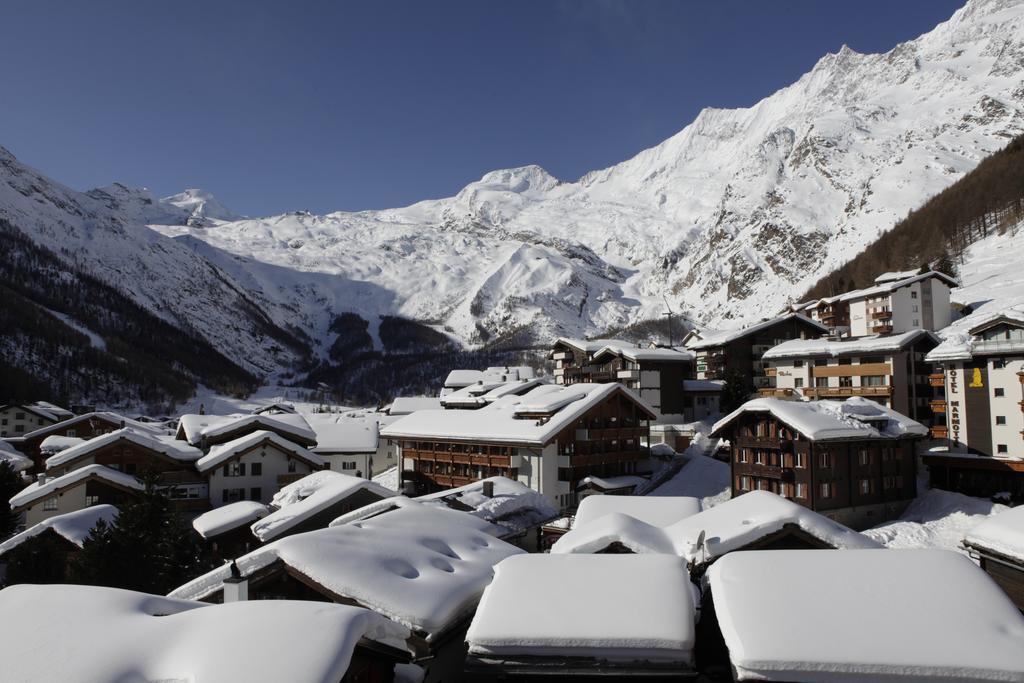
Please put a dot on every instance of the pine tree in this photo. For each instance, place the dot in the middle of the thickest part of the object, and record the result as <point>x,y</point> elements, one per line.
<point>945,264</point>
<point>10,484</point>
<point>735,392</point>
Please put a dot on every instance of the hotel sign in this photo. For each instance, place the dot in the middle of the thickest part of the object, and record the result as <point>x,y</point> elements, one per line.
<point>954,407</point>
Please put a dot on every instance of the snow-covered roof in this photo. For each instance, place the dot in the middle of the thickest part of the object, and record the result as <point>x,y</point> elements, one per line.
<point>228,517</point>
<point>614,527</point>
<point>310,496</point>
<point>436,510</point>
<point>41,489</point>
<point>712,339</point>
<point>403,405</point>
<point>55,443</point>
<point>424,571</point>
<point>1002,534</point>
<point>499,421</point>
<point>590,346</point>
<point>891,286</point>
<point>462,378</point>
<point>633,353</point>
<point>345,434</point>
<point>513,505</point>
<point>74,526</point>
<point>822,616</point>
<point>608,607</point>
<point>92,634</point>
<point>108,417</point>
<point>877,344</point>
<point>657,511</point>
<point>482,393</point>
<point>10,455</point>
<point>196,427</point>
<point>223,452</point>
<point>165,445</point>
<point>854,418</point>
<point>960,341</point>
<point>275,408</point>
<point>621,481</point>
<point>893,276</point>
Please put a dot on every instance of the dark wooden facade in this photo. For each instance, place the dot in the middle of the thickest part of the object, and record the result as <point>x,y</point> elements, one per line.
<point>1007,572</point>
<point>982,477</point>
<point>828,477</point>
<point>82,427</point>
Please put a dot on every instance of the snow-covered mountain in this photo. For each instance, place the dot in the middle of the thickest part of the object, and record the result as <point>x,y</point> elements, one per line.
<point>737,214</point>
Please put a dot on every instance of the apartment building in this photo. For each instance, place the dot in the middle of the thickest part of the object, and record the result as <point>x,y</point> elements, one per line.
<point>900,302</point>
<point>18,419</point>
<point>889,369</point>
<point>982,381</point>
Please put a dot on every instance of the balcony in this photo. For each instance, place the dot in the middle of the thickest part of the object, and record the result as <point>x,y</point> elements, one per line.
<point>628,374</point>
<point>597,433</point>
<point>940,432</point>
<point>771,372</point>
<point>562,355</point>
<point>937,379</point>
<point>843,392</point>
<point>881,327</point>
<point>775,392</point>
<point>881,314</point>
<point>938,406</point>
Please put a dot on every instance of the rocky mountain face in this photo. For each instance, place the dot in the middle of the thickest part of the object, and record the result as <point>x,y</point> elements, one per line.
<point>728,220</point>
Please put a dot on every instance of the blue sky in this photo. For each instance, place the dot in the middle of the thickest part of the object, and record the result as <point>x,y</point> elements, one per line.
<point>322,106</point>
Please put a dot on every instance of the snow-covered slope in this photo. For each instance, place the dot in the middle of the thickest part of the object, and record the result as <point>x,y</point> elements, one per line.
<point>733,216</point>
<point>201,206</point>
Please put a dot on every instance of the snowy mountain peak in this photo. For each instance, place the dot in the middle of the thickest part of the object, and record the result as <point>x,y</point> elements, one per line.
<point>202,206</point>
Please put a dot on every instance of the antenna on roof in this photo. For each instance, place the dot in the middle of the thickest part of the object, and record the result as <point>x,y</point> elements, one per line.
<point>669,316</point>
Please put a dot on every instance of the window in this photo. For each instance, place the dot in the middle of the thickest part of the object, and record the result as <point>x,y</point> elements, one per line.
<point>234,469</point>
<point>846,381</point>
<point>291,466</point>
<point>798,460</point>
<point>256,493</point>
<point>865,486</point>
<point>864,457</point>
<point>71,432</point>
<point>846,361</point>
<point>327,463</point>
<point>819,362</point>
<point>742,455</point>
<point>798,382</point>
<point>348,465</point>
<point>744,483</point>
<point>913,295</point>
<point>999,391</point>
<point>91,500</point>
<point>19,416</point>
<point>801,490</point>
<point>257,470</point>
<point>826,490</point>
<point>762,484</point>
<point>873,380</point>
<point>1000,419</point>
<point>821,382</point>
<point>1001,448</point>
<point>913,308</point>
<point>783,490</point>
<point>50,504</point>
<point>759,457</point>
<point>917,323</point>
<point>19,428</point>
<point>798,364</point>
<point>825,460</point>
<point>998,364</point>
<point>889,482</point>
<point>232,495</point>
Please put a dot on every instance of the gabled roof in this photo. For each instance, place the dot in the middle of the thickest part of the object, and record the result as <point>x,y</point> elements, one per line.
<point>38,490</point>
<point>960,339</point>
<point>10,455</point>
<point>659,511</point>
<point>1002,534</point>
<point>854,418</point>
<point>166,446</point>
<point>104,416</point>
<point>893,615</point>
<point>36,410</point>
<point>890,343</point>
<point>482,393</point>
<point>345,434</point>
<point>512,505</point>
<point>462,378</point>
<point>586,345</point>
<point>712,340</point>
<point>403,405</point>
<point>422,571</point>
<point>72,526</point>
<point>510,419</point>
<point>303,499</point>
<point>633,353</point>
<point>93,634</point>
<point>221,453</point>
<point>228,517</point>
<point>892,286</point>
<point>194,428</point>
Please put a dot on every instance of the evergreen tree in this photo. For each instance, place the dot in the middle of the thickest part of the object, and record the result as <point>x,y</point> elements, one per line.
<point>37,560</point>
<point>148,548</point>
<point>736,391</point>
<point>945,264</point>
<point>10,484</point>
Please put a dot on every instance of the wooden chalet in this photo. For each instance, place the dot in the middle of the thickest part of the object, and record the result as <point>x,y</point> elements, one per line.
<point>998,546</point>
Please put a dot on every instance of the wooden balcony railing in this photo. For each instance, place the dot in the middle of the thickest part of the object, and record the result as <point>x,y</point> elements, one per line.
<point>774,392</point>
<point>882,314</point>
<point>839,392</point>
<point>937,379</point>
<point>938,406</point>
<point>940,432</point>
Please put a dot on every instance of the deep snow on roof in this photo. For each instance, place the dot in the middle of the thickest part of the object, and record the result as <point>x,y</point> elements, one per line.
<point>227,450</point>
<point>74,526</point>
<point>590,345</point>
<point>657,511</point>
<point>10,455</point>
<point>498,422</point>
<point>91,634</point>
<point>195,427</point>
<point>461,378</point>
<point>718,338</point>
<point>228,517</point>
<point>959,342</point>
<point>854,418</point>
<point>482,393</point>
<point>309,496</point>
<point>587,606</point>
<point>424,571</point>
<point>1002,534</point>
<point>896,615</point>
<point>513,505</point>
<point>106,416</point>
<point>55,443</point>
<point>892,286</point>
<point>403,405</point>
<point>635,353</point>
<point>892,343</point>
<point>345,433</point>
<point>163,444</point>
<point>37,489</point>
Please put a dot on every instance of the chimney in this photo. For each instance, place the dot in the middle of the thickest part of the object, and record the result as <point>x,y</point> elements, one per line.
<point>488,488</point>
<point>236,587</point>
<point>41,478</point>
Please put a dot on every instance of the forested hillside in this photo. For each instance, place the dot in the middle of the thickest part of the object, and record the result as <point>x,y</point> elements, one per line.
<point>986,200</point>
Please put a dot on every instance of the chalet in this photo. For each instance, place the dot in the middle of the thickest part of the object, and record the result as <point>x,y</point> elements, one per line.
<point>998,546</point>
<point>625,524</point>
<point>314,501</point>
<point>862,616</point>
<point>738,353</point>
<point>402,565</point>
<point>979,425</point>
<point>546,615</point>
<point>889,369</point>
<point>226,529</point>
<point>255,466</point>
<point>108,634</point>
<point>206,431</point>
<point>143,454</point>
<point>348,443</point>
<point>460,379</point>
<point>53,543</point>
<point>833,312</point>
<point>757,521</point>
<point>572,359</point>
<point>22,418</point>
<point>900,302</point>
<point>83,427</point>
<point>484,393</point>
<point>78,489</point>
<point>853,461</point>
<point>549,439</point>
